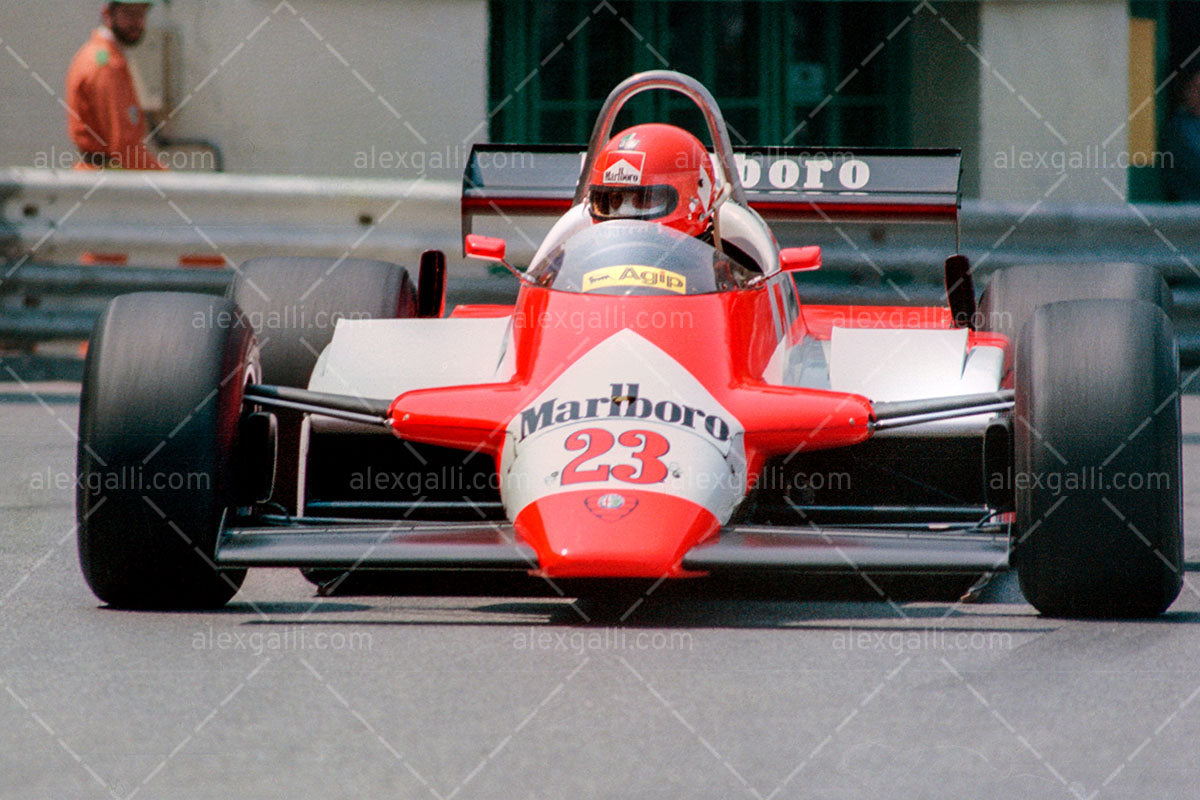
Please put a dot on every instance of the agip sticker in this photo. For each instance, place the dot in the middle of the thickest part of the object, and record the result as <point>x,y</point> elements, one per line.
<point>633,275</point>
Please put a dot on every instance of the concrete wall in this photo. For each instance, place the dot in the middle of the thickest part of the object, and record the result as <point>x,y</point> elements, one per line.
<point>1054,88</point>
<point>293,87</point>
<point>1031,89</point>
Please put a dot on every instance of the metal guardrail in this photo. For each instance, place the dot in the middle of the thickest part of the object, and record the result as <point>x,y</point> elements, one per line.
<point>41,302</point>
<point>51,219</point>
<point>54,216</point>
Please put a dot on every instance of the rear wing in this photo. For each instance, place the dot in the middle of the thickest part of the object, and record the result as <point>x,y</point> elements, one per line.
<point>781,183</point>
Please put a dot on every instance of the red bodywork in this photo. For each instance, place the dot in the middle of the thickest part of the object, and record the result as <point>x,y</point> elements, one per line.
<point>724,339</point>
<point>635,513</point>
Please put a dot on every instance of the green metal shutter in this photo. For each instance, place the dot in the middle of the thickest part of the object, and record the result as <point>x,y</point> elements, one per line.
<point>800,73</point>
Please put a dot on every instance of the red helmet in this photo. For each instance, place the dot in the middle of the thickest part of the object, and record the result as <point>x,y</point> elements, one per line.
<point>654,172</point>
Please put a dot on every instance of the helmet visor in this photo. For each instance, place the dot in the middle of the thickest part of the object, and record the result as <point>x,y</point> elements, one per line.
<point>632,202</point>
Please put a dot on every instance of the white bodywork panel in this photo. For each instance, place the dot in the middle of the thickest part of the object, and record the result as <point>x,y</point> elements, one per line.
<point>706,459</point>
<point>382,358</point>
<point>910,364</point>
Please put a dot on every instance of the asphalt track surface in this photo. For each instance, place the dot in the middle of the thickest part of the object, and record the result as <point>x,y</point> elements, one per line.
<point>808,691</point>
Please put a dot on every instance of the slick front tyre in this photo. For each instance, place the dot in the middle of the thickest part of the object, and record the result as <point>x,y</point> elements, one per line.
<point>1097,460</point>
<point>158,421</point>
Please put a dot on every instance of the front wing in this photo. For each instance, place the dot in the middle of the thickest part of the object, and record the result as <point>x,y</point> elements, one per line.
<point>969,548</point>
<point>494,546</point>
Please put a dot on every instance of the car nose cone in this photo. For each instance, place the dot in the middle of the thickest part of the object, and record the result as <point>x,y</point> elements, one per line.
<point>625,534</point>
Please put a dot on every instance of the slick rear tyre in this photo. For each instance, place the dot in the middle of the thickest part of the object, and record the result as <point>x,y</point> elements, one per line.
<point>1014,293</point>
<point>158,422</point>
<point>1097,460</point>
<point>295,303</point>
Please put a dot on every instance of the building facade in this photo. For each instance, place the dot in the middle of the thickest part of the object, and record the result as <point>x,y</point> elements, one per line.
<point>1061,100</point>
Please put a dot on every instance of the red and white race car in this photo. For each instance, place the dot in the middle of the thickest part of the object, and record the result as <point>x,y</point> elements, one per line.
<point>658,402</point>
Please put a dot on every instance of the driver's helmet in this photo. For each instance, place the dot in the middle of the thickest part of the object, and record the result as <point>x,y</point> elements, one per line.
<point>653,172</point>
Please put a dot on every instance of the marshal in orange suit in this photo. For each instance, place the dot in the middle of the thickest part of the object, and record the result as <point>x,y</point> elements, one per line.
<point>104,118</point>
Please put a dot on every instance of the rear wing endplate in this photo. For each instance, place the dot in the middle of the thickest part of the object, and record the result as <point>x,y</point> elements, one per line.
<point>781,183</point>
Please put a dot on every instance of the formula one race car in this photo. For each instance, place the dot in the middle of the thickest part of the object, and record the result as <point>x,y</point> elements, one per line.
<point>658,402</point>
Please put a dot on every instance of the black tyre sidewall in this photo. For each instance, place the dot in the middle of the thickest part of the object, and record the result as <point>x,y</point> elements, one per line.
<point>1097,459</point>
<point>161,399</point>
<point>1014,293</point>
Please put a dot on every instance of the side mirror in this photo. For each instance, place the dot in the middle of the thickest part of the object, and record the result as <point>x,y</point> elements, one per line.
<point>800,259</point>
<point>487,248</point>
<point>490,248</point>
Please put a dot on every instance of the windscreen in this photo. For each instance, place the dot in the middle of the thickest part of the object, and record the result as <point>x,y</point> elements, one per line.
<point>628,257</point>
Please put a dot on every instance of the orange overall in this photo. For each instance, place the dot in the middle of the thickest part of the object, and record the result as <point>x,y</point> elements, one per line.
<point>104,118</point>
